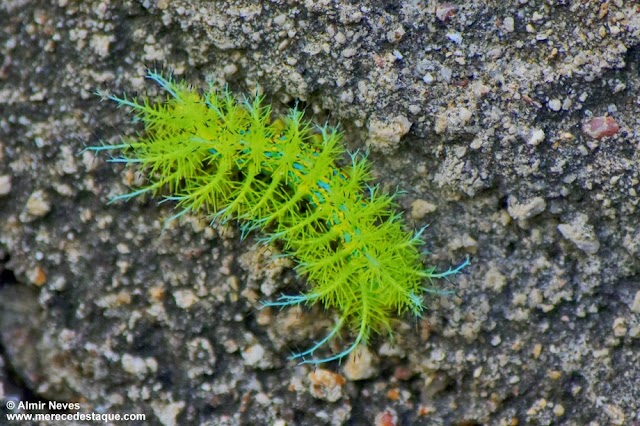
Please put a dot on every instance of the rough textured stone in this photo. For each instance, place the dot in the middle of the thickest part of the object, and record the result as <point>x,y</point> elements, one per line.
<point>474,79</point>
<point>581,233</point>
<point>526,209</point>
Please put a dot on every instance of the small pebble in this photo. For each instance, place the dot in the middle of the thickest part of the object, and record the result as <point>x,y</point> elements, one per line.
<point>326,385</point>
<point>349,52</point>
<point>184,298</point>
<point>509,24</point>
<point>600,127</point>
<point>445,11</point>
<point>619,327</point>
<point>555,105</point>
<point>395,35</point>
<point>361,365</point>
<point>537,350</point>
<point>253,354</point>
<point>38,205</point>
<point>536,137</point>
<point>387,418</point>
<point>421,208</point>
<point>5,185</point>
<point>167,414</point>
<point>455,37</point>
<point>428,78</point>
<point>581,233</point>
<point>526,209</point>
<point>635,306</point>
<point>385,134</point>
<point>37,276</point>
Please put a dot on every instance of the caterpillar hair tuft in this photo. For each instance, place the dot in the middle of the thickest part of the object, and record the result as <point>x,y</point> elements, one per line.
<point>228,159</point>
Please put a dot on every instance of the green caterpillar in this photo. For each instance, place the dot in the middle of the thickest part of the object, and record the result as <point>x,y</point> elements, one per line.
<point>229,160</point>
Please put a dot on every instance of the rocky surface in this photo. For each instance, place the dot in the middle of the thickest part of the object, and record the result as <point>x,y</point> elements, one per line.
<point>512,126</point>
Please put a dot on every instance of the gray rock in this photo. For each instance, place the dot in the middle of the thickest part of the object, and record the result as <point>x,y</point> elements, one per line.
<point>114,288</point>
<point>526,209</point>
<point>579,232</point>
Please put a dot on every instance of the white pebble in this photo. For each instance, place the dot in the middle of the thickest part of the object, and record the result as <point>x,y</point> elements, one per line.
<point>555,105</point>
<point>509,24</point>
<point>455,37</point>
<point>536,137</point>
<point>38,205</point>
<point>5,185</point>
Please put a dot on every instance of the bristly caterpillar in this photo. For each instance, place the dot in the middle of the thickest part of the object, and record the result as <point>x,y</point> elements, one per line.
<point>229,160</point>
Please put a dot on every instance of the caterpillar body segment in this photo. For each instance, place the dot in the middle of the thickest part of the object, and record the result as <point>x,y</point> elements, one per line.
<point>229,160</point>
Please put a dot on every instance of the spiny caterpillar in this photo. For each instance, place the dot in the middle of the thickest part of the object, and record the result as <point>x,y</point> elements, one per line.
<point>230,161</point>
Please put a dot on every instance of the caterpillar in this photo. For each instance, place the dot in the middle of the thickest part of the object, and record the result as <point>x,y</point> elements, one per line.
<point>229,160</point>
